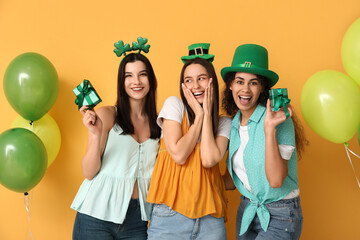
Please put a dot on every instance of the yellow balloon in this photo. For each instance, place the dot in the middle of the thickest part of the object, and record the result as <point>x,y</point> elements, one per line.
<point>47,130</point>
<point>330,104</point>
<point>350,51</point>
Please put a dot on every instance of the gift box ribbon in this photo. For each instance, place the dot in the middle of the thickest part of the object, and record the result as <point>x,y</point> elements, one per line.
<point>84,93</point>
<point>279,98</point>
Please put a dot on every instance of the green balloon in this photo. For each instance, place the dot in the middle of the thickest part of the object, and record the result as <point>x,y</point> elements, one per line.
<point>350,51</point>
<point>330,103</point>
<point>23,159</point>
<point>31,85</point>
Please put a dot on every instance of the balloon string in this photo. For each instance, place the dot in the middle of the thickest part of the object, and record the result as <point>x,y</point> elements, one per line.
<point>347,152</point>
<point>32,125</point>
<point>27,202</point>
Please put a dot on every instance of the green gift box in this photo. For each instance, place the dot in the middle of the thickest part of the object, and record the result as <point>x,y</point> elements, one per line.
<point>86,95</point>
<point>279,99</point>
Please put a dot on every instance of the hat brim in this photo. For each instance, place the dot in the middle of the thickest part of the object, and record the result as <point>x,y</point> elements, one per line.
<point>208,57</point>
<point>272,76</point>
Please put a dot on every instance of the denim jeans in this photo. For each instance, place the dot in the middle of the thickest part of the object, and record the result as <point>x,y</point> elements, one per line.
<point>167,224</point>
<point>90,228</point>
<point>285,221</point>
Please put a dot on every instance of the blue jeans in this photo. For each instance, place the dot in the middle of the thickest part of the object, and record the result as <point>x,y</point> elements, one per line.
<point>90,228</point>
<point>166,224</point>
<point>285,221</point>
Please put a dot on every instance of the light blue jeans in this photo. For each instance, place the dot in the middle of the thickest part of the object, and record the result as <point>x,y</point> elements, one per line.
<point>166,224</point>
<point>285,221</point>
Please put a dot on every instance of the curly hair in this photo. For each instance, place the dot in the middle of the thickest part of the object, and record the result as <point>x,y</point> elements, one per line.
<point>230,107</point>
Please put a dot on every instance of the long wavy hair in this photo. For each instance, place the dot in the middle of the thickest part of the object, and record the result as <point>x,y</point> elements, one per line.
<point>215,109</point>
<point>123,104</point>
<point>230,107</point>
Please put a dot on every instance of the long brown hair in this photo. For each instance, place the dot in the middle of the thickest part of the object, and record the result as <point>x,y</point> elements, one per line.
<point>123,105</point>
<point>215,109</point>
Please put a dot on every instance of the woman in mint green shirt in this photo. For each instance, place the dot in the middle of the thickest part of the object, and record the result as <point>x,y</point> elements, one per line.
<point>123,142</point>
<point>262,159</point>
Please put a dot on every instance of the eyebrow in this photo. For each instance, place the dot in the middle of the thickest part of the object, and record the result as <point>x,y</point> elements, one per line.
<point>253,79</point>
<point>142,71</point>
<point>203,74</point>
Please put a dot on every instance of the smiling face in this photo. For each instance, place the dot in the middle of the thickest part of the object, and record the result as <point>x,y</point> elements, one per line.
<point>246,89</point>
<point>136,80</point>
<point>196,79</point>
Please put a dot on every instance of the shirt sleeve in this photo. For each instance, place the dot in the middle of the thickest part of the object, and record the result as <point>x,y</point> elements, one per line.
<point>285,135</point>
<point>224,127</point>
<point>286,151</point>
<point>173,109</point>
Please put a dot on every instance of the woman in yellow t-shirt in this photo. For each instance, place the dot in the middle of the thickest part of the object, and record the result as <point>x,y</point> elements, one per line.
<point>186,186</point>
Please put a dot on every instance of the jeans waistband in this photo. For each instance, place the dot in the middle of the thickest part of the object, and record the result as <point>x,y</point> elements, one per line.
<point>281,203</point>
<point>134,202</point>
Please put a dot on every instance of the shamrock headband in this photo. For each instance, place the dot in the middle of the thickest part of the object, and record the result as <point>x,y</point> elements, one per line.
<point>140,45</point>
<point>198,50</point>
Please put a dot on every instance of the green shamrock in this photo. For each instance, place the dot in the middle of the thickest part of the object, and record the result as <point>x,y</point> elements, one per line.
<point>121,49</point>
<point>141,45</point>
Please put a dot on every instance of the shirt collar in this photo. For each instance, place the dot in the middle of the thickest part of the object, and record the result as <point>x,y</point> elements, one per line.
<point>255,116</point>
<point>258,113</point>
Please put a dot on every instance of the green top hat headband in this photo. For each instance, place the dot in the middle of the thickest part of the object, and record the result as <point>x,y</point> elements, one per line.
<point>251,58</point>
<point>198,50</point>
<point>140,45</point>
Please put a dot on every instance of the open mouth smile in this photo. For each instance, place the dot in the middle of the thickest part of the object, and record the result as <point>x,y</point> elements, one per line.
<point>245,99</point>
<point>198,94</point>
<point>137,89</point>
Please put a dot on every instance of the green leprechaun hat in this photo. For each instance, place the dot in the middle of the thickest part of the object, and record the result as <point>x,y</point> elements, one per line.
<point>198,50</point>
<point>251,58</point>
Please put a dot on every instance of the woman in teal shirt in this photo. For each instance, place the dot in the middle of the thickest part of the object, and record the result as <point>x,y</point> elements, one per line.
<point>262,159</point>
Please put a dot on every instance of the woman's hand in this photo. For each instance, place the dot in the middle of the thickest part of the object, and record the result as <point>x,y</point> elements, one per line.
<point>208,98</point>
<point>193,103</point>
<point>273,119</point>
<point>91,121</point>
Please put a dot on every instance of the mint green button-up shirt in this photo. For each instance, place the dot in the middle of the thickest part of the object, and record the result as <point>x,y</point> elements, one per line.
<point>254,161</point>
<point>124,162</point>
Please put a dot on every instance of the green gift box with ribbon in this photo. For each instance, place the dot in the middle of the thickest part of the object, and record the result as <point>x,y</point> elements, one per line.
<point>279,99</point>
<point>86,95</point>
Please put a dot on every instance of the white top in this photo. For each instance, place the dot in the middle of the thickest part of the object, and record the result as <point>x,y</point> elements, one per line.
<point>238,163</point>
<point>124,162</point>
<point>173,109</point>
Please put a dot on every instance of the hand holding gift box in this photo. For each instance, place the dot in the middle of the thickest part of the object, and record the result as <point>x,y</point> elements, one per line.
<point>279,99</point>
<point>86,95</point>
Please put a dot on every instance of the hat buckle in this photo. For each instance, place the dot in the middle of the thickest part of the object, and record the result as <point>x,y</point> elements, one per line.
<point>199,51</point>
<point>247,64</point>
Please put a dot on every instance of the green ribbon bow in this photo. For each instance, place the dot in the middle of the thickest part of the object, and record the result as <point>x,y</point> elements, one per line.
<point>85,91</point>
<point>279,99</point>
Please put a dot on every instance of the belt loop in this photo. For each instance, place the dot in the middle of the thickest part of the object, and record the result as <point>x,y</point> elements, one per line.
<point>297,202</point>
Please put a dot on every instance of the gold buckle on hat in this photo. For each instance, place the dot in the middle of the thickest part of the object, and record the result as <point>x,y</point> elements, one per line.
<point>247,64</point>
<point>200,49</point>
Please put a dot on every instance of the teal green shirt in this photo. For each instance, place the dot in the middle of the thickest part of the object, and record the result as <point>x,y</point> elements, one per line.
<point>254,161</point>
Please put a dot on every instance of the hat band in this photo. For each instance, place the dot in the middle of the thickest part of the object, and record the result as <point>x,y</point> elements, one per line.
<point>198,51</point>
<point>249,65</point>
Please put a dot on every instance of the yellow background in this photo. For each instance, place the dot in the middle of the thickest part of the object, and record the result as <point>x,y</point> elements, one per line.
<point>302,37</point>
